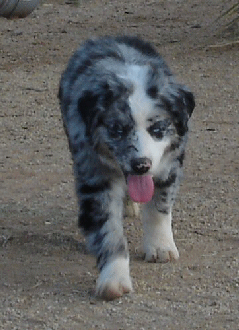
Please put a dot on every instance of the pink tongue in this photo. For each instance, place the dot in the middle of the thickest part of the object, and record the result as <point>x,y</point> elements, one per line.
<point>141,188</point>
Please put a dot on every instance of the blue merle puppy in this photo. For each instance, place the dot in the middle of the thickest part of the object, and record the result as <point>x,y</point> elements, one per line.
<point>126,119</point>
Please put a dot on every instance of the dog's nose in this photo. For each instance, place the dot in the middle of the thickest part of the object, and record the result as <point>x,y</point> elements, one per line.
<point>141,165</point>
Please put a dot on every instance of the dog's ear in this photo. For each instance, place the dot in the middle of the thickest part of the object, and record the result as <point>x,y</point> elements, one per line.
<point>93,103</point>
<point>86,103</point>
<point>183,107</point>
<point>180,105</point>
<point>188,100</point>
<point>87,107</point>
<point>101,94</point>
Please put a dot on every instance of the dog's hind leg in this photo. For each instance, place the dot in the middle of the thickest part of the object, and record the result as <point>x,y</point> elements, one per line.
<point>101,213</point>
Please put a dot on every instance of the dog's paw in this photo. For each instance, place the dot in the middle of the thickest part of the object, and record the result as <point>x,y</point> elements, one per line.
<point>114,280</point>
<point>132,209</point>
<point>161,252</point>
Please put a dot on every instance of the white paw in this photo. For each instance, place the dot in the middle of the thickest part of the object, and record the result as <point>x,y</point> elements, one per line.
<point>114,280</point>
<point>160,251</point>
<point>158,243</point>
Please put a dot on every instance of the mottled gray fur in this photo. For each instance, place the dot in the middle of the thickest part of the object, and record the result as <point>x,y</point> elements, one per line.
<point>105,83</point>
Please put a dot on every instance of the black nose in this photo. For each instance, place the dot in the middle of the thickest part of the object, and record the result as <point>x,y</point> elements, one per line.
<point>141,165</point>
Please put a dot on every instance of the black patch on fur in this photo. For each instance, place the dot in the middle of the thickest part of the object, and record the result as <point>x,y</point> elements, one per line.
<point>178,113</point>
<point>94,105</point>
<point>181,107</point>
<point>92,217</point>
<point>189,101</point>
<point>95,189</point>
<point>180,116</point>
<point>181,158</point>
<point>166,104</point>
<point>158,129</point>
<point>153,92</point>
<point>102,259</point>
<point>98,239</point>
<point>173,146</point>
<point>86,106</point>
<point>162,184</point>
<point>104,256</point>
<point>164,210</point>
<point>163,196</point>
<point>86,103</point>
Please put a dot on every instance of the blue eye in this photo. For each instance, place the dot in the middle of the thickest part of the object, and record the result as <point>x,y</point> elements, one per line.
<point>158,129</point>
<point>157,132</point>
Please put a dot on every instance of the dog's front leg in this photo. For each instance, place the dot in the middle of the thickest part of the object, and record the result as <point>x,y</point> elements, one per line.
<point>158,241</point>
<point>100,218</point>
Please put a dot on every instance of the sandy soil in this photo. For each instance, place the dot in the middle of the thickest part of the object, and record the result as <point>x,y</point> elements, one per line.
<point>47,279</point>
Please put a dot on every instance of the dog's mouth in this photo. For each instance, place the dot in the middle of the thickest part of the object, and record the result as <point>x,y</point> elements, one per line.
<point>140,188</point>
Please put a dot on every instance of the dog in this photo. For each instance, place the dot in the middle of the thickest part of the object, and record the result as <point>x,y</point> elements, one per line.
<point>126,119</point>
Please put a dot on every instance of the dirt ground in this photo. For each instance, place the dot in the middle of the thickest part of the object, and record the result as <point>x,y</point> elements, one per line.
<point>47,278</point>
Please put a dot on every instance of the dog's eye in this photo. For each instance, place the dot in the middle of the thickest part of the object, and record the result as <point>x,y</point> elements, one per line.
<point>157,129</point>
<point>156,132</point>
<point>116,131</point>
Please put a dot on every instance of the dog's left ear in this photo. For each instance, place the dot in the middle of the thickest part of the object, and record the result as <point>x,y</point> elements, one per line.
<point>188,100</point>
<point>181,105</point>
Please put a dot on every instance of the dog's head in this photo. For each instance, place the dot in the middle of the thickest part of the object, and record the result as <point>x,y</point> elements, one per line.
<point>138,116</point>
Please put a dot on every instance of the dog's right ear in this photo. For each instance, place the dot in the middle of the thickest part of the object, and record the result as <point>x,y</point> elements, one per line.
<point>93,103</point>
<point>87,105</point>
